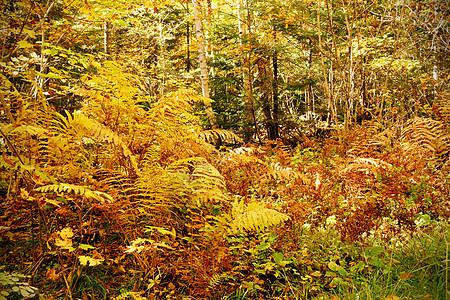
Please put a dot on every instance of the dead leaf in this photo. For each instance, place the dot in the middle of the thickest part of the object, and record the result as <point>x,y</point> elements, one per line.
<point>51,274</point>
<point>7,160</point>
<point>405,276</point>
<point>66,233</point>
<point>392,297</point>
<point>64,238</point>
<point>89,261</point>
<point>316,274</point>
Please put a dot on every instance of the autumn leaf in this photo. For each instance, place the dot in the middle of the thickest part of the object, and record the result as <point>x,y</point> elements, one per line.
<point>7,160</point>
<point>24,44</point>
<point>64,238</point>
<point>89,261</point>
<point>51,274</point>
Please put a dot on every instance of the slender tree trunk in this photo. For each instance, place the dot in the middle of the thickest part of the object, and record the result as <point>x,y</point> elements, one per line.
<point>276,129</point>
<point>328,74</point>
<point>266,97</point>
<point>249,107</point>
<point>106,36</point>
<point>188,42</point>
<point>203,64</point>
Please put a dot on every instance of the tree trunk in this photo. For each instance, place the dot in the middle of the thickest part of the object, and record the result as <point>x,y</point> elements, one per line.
<point>266,97</point>
<point>249,106</point>
<point>276,133</point>
<point>203,64</point>
<point>106,36</point>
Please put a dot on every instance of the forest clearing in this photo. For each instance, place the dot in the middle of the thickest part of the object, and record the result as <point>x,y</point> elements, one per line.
<point>215,149</point>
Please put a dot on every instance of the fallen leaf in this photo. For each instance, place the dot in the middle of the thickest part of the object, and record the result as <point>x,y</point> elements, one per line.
<point>392,297</point>
<point>89,261</point>
<point>316,274</point>
<point>405,276</point>
<point>51,274</point>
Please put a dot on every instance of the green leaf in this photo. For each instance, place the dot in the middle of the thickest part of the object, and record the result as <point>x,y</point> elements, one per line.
<point>374,251</point>
<point>278,257</point>
<point>85,247</point>
<point>24,293</point>
<point>333,266</point>
<point>358,267</point>
<point>263,246</point>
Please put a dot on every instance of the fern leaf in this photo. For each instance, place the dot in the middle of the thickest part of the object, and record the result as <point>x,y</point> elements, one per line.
<point>254,217</point>
<point>430,135</point>
<point>76,189</point>
<point>225,136</point>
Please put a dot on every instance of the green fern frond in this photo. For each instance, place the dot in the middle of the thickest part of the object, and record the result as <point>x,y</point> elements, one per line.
<point>225,136</point>
<point>217,279</point>
<point>76,189</point>
<point>254,216</point>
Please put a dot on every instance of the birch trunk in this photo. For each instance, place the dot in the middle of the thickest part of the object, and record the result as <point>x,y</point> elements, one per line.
<point>203,64</point>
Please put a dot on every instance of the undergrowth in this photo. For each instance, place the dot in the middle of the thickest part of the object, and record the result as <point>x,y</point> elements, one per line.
<point>135,203</point>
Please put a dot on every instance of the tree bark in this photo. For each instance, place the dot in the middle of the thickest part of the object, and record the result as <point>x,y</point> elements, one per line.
<point>106,36</point>
<point>203,63</point>
<point>244,26</point>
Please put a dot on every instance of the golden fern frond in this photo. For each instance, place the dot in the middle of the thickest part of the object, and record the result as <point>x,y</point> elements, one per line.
<point>254,216</point>
<point>368,165</point>
<point>186,180</point>
<point>225,136</point>
<point>372,127</point>
<point>243,155</point>
<point>161,187</point>
<point>81,126</point>
<point>205,181</point>
<point>76,189</point>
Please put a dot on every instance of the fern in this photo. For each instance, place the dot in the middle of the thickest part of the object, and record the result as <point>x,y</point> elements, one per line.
<point>187,180</point>
<point>76,189</point>
<point>278,172</point>
<point>254,216</point>
<point>441,108</point>
<point>430,135</point>
<point>217,279</point>
<point>225,136</point>
<point>81,126</point>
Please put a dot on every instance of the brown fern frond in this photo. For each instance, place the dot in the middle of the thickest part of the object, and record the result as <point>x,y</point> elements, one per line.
<point>430,135</point>
<point>441,108</point>
<point>278,172</point>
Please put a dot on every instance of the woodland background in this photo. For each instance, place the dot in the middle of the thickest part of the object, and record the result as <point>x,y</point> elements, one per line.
<point>218,149</point>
